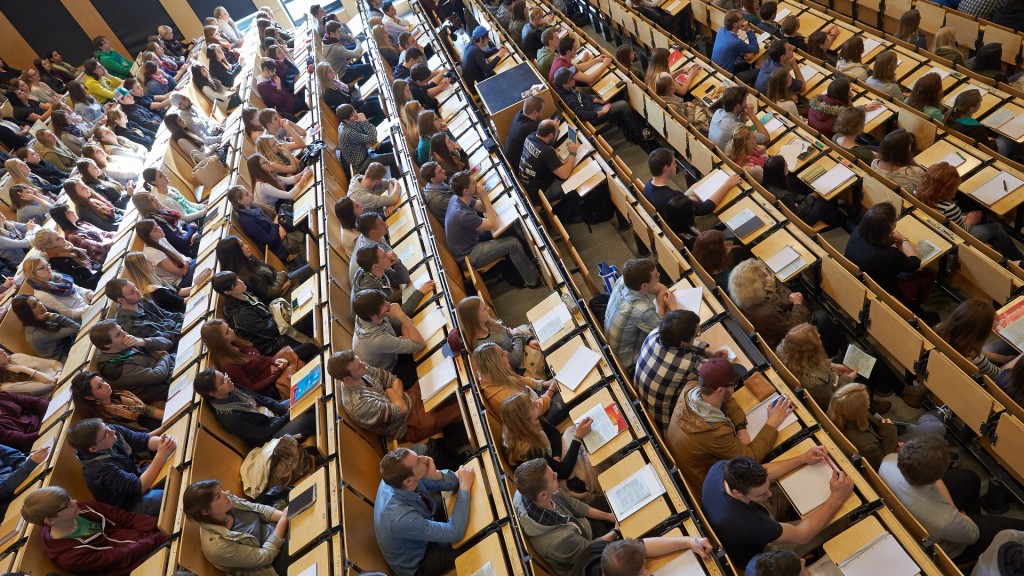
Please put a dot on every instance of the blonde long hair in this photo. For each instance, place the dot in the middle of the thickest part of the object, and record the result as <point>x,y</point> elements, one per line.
<point>138,269</point>
<point>520,433</point>
<point>468,311</point>
<point>740,147</point>
<point>849,405</point>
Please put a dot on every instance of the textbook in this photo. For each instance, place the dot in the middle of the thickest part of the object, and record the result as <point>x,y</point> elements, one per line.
<point>634,492</point>
<point>1010,324</point>
<point>608,423</point>
<point>744,223</point>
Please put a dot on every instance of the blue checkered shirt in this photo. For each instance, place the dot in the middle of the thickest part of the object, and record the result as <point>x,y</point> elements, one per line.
<point>662,372</point>
<point>631,315</point>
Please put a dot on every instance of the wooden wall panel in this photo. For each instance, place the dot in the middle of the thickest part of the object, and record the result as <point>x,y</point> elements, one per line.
<point>93,24</point>
<point>16,52</point>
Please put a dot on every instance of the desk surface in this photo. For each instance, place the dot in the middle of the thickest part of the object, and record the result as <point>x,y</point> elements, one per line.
<point>506,89</point>
<point>1004,205</point>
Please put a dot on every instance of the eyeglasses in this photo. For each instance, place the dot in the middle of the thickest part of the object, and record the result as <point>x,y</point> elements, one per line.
<point>66,506</point>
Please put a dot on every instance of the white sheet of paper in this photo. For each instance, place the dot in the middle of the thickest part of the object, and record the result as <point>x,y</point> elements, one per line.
<point>583,173</point>
<point>997,188</point>
<point>773,124</point>
<point>870,44</point>
<point>781,259</point>
<point>485,570</point>
<point>758,416</point>
<point>58,402</point>
<point>635,492</point>
<point>690,299</point>
<point>550,323</point>
<point>830,180</point>
<point>859,360</point>
<point>883,555</point>
<point>439,376</point>
<point>602,430</point>
<point>794,267</point>
<point>872,114</point>
<point>432,322</point>
<point>792,151</point>
<point>686,564</point>
<point>808,486</point>
<point>953,159</point>
<point>942,73</point>
<point>711,185</point>
<point>781,14</point>
<point>1014,128</point>
<point>577,367</point>
<point>808,72</point>
<point>311,571</point>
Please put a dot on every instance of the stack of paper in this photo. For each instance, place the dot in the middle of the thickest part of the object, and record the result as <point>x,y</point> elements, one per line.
<point>552,322</point>
<point>870,44</point>
<point>781,259</point>
<point>686,564</point>
<point>808,72</point>
<point>690,299</point>
<point>577,367</point>
<point>744,223</point>
<point>635,492</point>
<point>711,185</point>
<point>872,114</point>
<point>832,179</point>
<point>758,416</point>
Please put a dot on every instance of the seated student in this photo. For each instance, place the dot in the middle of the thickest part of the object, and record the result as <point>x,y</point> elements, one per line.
<point>50,334</point>
<point>428,123</point>
<point>848,127</point>
<point>110,464</point>
<point>658,68</point>
<point>780,57</point>
<point>926,96</point>
<point>223,66</point>
<point>708,425</point>
<point>825,108</point>
<point>909,29</point>
<point>14,240</point>
<point>374,190</point>
<point>347,212</point>
<point>744,150</point>
<point>383,404</point>
<point>883,75</point>
<point>539,21</point>
<point>377,340</point>
<point>872,435</point>
<point>253,320</point>
<point>447,153</point>
<point>140,317</point>
<point>960,117</point>
<point>338,55</point>
<point>523,124</point>
<point>41,168</point>
<point>28,109</point>
<point>182,236</point>
<point>238,536</point>
<point>250,416</point>
<point>55,290</point>
<point>411,531</point>
<point>373,230</point>
<point>636,303</point>
<point>945,46</point>
<point>272,189</point>
<point>797,196</point>
<point>944,500</point>
<point>30,204</point>
<point>221,97</point>
<point>117,64</point>
<point>749,287</point>
<point>99,83</point>
<point>669,359</point>
<point>412,56</point>
<point>191,144</point>
<point>546,54</point>
<point>437,193</point>
<point>125,128</point>
<point>627,557</point>
<point>780,91</point>
<point>260,223</point>
<point>938,190</point>
<point>117,157</point>
<point>779,562</point>
<point>424,87</point>
<point>260,279</point>
<point>91,538</point>
<point>479,327</point>
<point>593,109</point>
<point>106,187</point>
<point>734,41</point>
<point>277,95</point>
<point>20,173</point>
<point>734,496</point>
<point>357,142</point>
<point>386,45</point>
<point>287,132</point>
<point>896,160</point>
<point>891,260</point>
<point>541,169</point>
<point>141,366</point>
<point>157,184</point>
<point>476,63</point>
<point>81,234</point>
<point>54,152</point>
<point>557,525</point>
<point>967,329</point>
<point>169,264</point>
<point>157,105</point>
<point>264,375</point>
<point>162,293</point>
<point>373,262</point>
<point>673,205</point>
<point>735,112</point>
<point>282,160</point>
<point>334,93</point>
<point>803,353</point>
<point>527,434</point>
<point>94,398</point>
<point>586,72</point>
<point>24,374</point>
<point>498,381</point>
<point>718,257</point>
<point>20,416</point>
<point>15,466</point>
<point>849,63</point>
<point>469,234</point>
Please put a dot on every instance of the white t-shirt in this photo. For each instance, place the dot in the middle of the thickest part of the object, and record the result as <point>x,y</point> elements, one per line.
<point>156,257</point>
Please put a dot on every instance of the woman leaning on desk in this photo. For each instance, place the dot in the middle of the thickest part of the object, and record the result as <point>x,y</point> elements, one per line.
<point>526,435</point>
<point>938,191</point>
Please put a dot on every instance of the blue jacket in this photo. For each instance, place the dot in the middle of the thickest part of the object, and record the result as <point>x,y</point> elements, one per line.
<point>729,48</point>
<point>113,476</point>
<point>404,521</point>
<point>262,230</point>
<point>768,67</point>
<point>14,468</point>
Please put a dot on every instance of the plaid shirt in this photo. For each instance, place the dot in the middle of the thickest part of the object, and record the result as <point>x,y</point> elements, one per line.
<point>544,516</point>
<point>630,317</point>
<point>662,371</point>
<point>980,8</point>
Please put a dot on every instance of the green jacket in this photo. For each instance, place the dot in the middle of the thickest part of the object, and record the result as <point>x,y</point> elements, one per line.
<point>115,63</point>
<point>237,553</point>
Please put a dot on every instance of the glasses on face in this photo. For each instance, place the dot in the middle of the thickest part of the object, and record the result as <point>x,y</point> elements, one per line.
<point>107,433</point>
<point>66,506</point>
